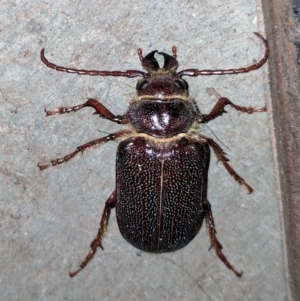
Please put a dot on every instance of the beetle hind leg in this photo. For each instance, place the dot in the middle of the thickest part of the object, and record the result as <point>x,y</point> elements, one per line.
<point>97,242</point>
<point>215,243</point>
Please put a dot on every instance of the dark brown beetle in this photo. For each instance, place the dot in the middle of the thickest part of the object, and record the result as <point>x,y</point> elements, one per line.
<point>162,161</point>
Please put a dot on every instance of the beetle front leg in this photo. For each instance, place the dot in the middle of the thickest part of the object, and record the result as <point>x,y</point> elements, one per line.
<point>82,148</point>
<point>94,103</point>
<point>214,242</point>
<point>97,242</point>
<point>218,110</point>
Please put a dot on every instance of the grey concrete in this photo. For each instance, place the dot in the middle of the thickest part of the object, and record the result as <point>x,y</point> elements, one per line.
<point>49,218</point>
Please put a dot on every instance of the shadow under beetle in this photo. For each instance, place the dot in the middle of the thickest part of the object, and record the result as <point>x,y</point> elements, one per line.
<point>162,160</point>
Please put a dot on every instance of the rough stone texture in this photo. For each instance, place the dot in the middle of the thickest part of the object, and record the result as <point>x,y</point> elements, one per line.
<point>49,218</point>
<point>283,30</point>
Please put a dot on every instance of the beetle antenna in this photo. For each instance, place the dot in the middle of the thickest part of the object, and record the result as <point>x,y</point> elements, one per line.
<point>262,61</point>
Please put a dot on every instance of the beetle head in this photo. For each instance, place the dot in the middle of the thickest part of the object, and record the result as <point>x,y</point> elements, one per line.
<point>159,82</point>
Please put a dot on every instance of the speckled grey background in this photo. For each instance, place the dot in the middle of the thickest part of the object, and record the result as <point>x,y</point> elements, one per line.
<point>49,218</point>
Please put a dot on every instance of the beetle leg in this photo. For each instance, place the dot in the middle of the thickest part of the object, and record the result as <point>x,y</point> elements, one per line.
<point>82,148</point>
<point>109,204</point>
<point>218,110</point>
<point>94,103</point>
<point>221,156</point>
<point>210,226</point>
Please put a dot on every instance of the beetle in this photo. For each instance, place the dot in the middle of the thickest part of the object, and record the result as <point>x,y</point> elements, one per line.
<point>162,160</point>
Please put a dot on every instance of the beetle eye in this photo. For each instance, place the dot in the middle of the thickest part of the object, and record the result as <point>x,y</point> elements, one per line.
<point>142,85</point>
<point>181,84</point>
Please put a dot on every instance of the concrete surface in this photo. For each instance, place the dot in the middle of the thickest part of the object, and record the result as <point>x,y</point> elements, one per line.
<point>49,218</point>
